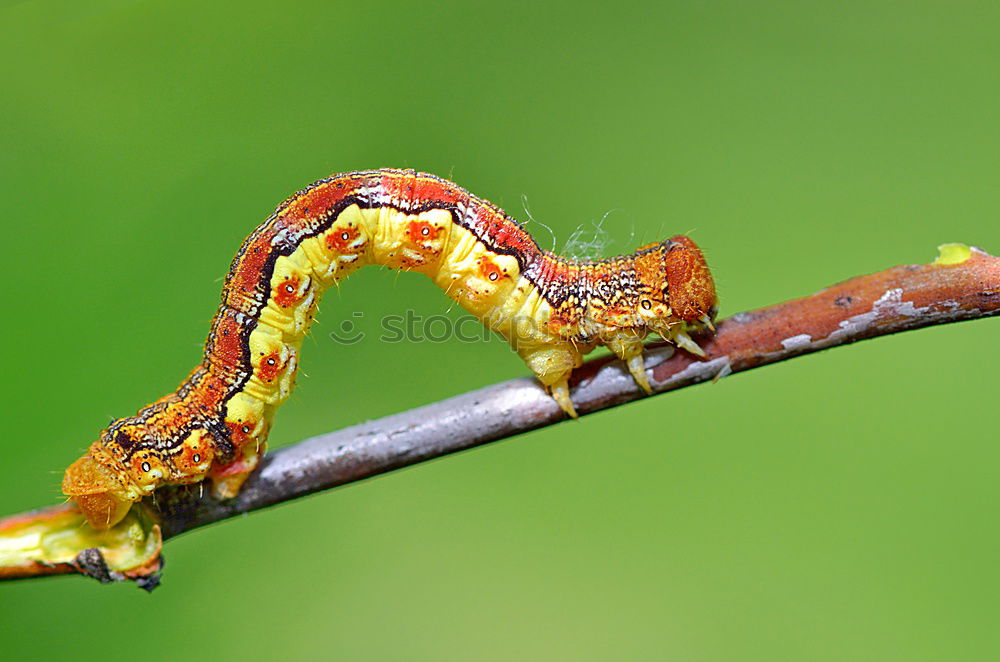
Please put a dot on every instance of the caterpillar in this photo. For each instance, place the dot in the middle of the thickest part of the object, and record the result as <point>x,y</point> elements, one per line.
<point>215,425</point>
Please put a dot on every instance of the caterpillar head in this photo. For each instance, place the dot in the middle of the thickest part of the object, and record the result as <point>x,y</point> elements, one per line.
<point>690,287</point>
<point>98,491</point>
<point>679,293</point>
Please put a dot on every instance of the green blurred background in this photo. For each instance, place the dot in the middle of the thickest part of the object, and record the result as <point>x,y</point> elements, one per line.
<point>840,506</point>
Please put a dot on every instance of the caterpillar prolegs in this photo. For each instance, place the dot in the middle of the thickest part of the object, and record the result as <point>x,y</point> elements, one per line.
<point>552,309</point>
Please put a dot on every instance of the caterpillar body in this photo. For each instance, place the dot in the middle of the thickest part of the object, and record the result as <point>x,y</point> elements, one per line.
<point>216,423</point>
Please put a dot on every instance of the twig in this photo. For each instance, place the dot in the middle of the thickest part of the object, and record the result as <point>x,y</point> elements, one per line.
<point>962,284</point>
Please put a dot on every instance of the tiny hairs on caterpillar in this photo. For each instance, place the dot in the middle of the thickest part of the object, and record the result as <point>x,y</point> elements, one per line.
<point>216,423</point>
